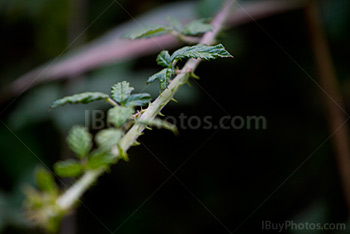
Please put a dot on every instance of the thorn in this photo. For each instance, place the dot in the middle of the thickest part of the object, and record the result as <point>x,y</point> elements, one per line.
<point>136,143</point>
<point>123,154</point>
<point>194,76</point>
<point>148,128</point>
<point>188,83</point>
<point>161,114</point>
<point>174,100</point>
<point>125,157</point>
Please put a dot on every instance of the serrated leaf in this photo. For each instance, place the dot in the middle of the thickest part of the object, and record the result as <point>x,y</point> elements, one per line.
<point>108,138</point>
<point>68,168</point>
<point>139,99</point>
<point>163,76</point>
<point>201,51</point>
<point>83,98</point>
<point>174,24</point>
<point>158,123</point>
<point>148,32</point>
<point>197,27</point>
<point>80,141</point>
<point>100,159</point>
<point>121,91</point>
<point>119,115</point>
<point>163,58</point>
<point>45,180</point>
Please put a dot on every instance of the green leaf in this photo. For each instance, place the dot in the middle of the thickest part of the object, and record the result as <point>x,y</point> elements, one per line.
<point>100,159</point>
<point>174,24</point>
<point>45,180</point>
<point>80,141</point>
<point>163,59</point>
<point>163,76</point>
<point>68,168</point>
<point>83,98</point>
<point>201,51</point>
<point>197,27</point>
<point>148,32</point>
<point>121,91</point>
<point>108,138</point>
<point>119,115</point>
<point>139,99</point>
<point>158,123</point>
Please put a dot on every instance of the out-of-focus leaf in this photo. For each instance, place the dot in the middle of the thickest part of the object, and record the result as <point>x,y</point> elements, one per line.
<point>100,159</point>
<point>83,98</point>
<point>80,141</point>
<point>201,51</point>
<point>118,115</point>
<point>108,138</point>
<point>174,24</point>
<point>197,27</point>
<point>45,180</point>
<point>68,168</point>
<point>147,32</point>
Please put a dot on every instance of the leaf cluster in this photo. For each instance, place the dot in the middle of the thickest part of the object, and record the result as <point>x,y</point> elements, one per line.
<point>199,51</point>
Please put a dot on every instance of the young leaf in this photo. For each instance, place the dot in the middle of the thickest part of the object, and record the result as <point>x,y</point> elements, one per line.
<point>197,27</point>
<point>108,138</point>
<point>68,168</point>
<point>83,98</point>
<point>45,180</point>
<point>119,115</point>
<point>163,59</point>
<point>159,124</point>
<point>148,32</point>
<point>139,99</point>
<point>163,76</point>
<point>201,51</point>
<point>121,91</point>
<point>80,141</point>
<point>100,159</point>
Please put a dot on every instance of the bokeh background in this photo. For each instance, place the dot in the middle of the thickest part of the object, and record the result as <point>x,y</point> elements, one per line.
<point>229,173</point>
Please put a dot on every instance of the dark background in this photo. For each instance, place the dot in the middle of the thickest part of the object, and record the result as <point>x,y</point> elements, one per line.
<point>229,173</point>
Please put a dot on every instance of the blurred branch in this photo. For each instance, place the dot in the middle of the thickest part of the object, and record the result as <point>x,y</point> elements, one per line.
<point>111,48</point>
<point>333,102</point>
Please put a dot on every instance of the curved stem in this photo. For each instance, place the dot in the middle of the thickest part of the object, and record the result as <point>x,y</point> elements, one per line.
<point>72,195</point>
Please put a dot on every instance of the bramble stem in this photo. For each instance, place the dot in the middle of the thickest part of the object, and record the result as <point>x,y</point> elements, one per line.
<point>72,195</point>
